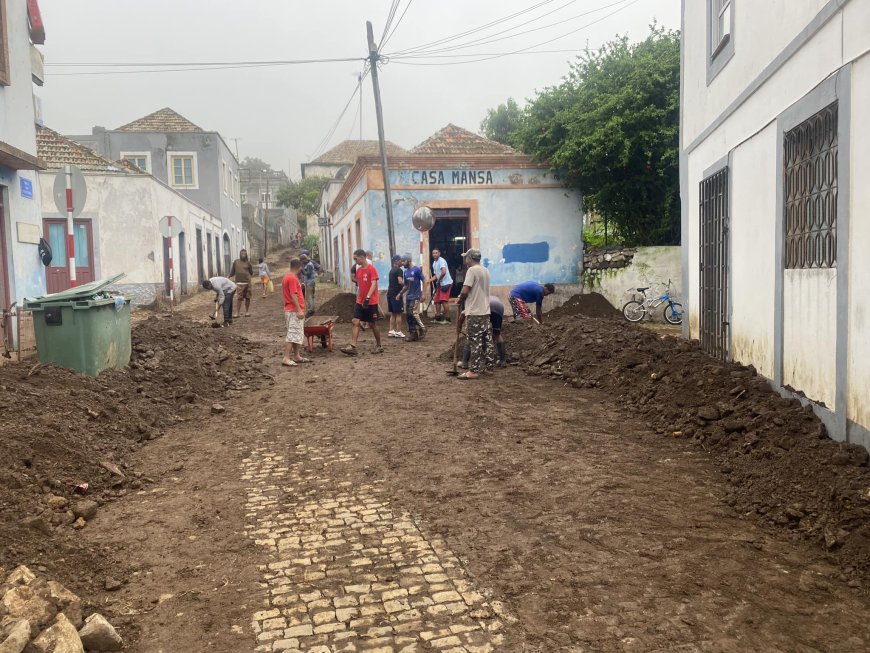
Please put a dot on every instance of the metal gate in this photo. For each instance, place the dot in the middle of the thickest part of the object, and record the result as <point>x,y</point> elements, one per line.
<point>715,215</point>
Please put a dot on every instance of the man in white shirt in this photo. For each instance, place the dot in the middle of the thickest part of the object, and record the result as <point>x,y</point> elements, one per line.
<point>443,286</point>
<point>474,299</point>
<point>225,291</point>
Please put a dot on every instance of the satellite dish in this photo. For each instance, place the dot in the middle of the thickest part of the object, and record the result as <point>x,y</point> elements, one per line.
<point>423,219</point>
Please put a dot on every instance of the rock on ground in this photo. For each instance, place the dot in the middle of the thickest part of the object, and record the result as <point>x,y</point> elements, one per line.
<point>98,635</point>
<point>22,601</point>
<point>17,636</point>
<point>60,637</point>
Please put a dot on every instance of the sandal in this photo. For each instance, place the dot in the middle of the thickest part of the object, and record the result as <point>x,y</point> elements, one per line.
<point>378,350</point>
<point>304,360</point>
<point>290,364</point>
<point>465,377</point>
<point>350,350</point>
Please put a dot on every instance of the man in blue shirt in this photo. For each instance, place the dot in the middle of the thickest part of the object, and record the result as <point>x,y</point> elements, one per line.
<point>412,291</point>
<point>309,280</point>
<point>526,293</point>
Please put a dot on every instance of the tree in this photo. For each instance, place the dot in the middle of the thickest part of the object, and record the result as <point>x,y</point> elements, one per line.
<point>303,195</point>
<point>255,165</point>
<point>611,130</point>
<point>501,123</point>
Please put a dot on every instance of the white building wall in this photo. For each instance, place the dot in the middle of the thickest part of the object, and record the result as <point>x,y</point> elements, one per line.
<point>747,131</point>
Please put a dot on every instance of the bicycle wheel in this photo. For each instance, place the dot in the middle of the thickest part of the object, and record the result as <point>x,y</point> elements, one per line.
<point>674,313</point>
<point>634,311</point>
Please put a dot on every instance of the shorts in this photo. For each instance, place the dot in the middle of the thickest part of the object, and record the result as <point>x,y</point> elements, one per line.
<point>496,319</point>
<point>243,291</point>
<point>521,311</point>
<point>395,305</point>
<point>295,328</point>
<point>442,294</point>
<point>264,280</point>
<point>369,315</point>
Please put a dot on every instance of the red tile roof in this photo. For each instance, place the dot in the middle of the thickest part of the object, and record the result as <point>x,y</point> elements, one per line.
<point>164,120</point>
<point>57,151</point>
<point>347,152</point>
<point>453,140</point>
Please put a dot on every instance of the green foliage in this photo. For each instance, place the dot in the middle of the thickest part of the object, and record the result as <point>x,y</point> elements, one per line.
<point>310,241</point>
<point>594,235</point>
<point>611,130</point>
<point>255,165</point>
<point>303,195</point>
<point>502,122</point>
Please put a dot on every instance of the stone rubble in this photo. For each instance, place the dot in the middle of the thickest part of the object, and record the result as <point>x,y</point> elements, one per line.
<point>39,616</point>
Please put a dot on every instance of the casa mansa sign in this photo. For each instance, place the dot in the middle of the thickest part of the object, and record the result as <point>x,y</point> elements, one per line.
<point>451,177</point>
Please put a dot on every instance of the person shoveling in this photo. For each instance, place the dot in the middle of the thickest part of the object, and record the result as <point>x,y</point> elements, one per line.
<point>225,291</point>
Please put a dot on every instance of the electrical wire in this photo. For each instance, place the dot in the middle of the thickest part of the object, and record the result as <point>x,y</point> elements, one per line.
<point>321,146</point>
<point>237,66</point>
<point>390,16</point>
<point>170,64</point>
<point>525,50</point>
<point>393,31</point>
<point>473,30</point>
<point>489,40</point>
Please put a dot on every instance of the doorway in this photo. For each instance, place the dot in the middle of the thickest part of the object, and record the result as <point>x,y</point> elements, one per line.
<point>200,271</point>
<point>57,273</point>
<point>182,262</point>
<point>217,255</point>
<point>4,260</point>
<point>715,214</point>
<point>450,236</point>
<point>227,261</point>
<point>208,256</point>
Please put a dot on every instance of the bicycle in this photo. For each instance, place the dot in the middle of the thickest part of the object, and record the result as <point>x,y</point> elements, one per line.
<point>635,310</point>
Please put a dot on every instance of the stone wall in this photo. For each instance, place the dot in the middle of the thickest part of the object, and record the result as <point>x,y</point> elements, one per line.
<point>608,258</point>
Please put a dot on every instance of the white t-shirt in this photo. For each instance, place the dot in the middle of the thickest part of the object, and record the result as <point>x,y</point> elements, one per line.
<point>436,270</point>
<point>477,301</point>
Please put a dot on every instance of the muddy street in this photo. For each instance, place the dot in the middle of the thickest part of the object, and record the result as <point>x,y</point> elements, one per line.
<point>376,504</point>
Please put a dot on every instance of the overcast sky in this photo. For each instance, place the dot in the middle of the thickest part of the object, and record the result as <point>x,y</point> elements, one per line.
<point>282,113</point>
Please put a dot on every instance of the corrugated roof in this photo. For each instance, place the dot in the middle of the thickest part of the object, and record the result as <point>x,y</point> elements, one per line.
<point>164,120</point>
<point>453,140</point>
<point>350,151</point>
<point>57,151</point>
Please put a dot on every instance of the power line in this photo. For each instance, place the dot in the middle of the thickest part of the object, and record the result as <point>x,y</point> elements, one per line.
<point>390,16</point>
<point>169,64</point>
<point>328,137</point>
<point>237,66</point>
<point>473,30</point>
<point>488,40</point>
<point>401,18</point>
<point>515,52</point>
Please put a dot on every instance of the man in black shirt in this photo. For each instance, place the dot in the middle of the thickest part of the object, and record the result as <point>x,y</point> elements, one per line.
<point>394,301</point>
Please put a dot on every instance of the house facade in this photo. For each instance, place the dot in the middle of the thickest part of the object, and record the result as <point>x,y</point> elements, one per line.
<point>195,162</point>
<point>21,272</point>
<point>775,176</point>
<point>118,228</point>
<point>483,194</point>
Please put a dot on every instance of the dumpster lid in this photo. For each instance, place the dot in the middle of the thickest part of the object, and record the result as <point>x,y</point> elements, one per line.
<point>79,292</point>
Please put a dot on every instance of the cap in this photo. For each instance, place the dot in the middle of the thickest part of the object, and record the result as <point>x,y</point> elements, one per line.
<point>396,258</point>
<point>473,254</point>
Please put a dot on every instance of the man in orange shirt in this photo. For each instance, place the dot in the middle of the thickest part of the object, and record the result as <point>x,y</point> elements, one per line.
<point>294,315</point>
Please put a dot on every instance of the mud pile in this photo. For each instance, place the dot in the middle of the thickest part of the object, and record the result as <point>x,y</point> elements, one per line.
<point>61,430</point>
<point>590,305</point>
<point>781,468</point>
<point>341,304</point>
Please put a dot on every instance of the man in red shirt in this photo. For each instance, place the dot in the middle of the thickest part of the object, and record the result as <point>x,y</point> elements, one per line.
<point>294,315</point>
<point>366,309</point>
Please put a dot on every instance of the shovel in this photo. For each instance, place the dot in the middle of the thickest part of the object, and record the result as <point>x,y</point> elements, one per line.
<point>455,370</point>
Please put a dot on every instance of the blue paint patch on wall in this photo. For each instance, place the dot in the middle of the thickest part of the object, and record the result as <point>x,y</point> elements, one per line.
<point>526,252</point>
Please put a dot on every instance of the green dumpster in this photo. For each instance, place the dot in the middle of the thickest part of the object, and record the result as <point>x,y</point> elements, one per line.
<point>83,328</point>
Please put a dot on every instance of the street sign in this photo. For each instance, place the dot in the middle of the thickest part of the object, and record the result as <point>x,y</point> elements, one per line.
<point>423,219</point>
<point>79,191</point>
<point>168,230</point>
<point>323,221</point>
<point>26,189</point>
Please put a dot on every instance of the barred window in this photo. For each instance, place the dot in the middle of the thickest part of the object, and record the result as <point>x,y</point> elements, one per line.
<point>810,170</point>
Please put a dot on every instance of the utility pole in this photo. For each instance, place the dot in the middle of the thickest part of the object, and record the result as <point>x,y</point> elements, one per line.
<point>373,60</point>
<point>266,203</point>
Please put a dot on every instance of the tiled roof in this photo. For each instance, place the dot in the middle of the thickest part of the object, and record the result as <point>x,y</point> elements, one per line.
<point>57,151</point>
<point>453,140</point>
<point>349,151</point>
<point>164,120</point>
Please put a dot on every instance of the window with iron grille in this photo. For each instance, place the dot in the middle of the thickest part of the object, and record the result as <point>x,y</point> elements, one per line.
<point>810,188</point>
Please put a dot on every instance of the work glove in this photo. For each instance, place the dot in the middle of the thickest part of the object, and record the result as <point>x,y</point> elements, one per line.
<point>365,303</point>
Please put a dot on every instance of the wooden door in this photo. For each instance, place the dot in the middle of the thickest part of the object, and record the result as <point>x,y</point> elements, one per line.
<point>182,263</point>
<point>208,256</point>
<point>199,269</point>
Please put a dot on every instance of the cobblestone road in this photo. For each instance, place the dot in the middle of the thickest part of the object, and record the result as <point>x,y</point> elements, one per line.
<point>350,574</point>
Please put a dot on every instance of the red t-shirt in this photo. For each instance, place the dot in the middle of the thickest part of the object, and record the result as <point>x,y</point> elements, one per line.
<point>365,278</point>
<point>291,287</point>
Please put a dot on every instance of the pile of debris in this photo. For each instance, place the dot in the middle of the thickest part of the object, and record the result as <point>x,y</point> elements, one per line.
<point>781,467</point>
<point>343,304</point>
<point>39,616</point>
<point>66,436</point>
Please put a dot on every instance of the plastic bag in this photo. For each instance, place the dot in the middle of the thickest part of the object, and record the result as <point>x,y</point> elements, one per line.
<point>271,286</point>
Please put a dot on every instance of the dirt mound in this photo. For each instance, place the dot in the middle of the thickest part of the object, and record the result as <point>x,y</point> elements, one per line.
<point>782,469</point>
<point>591,305</point>
<point>62,430</point>
<point>341,304</point>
